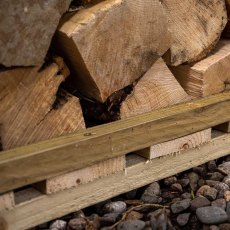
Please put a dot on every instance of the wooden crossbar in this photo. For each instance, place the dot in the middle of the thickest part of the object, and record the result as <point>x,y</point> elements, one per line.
<point>40,161</point>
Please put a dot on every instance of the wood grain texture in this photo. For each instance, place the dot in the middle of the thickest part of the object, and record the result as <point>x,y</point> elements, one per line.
<point>113,43</point>
<point>158,88</point>
<point>208,76</point>
<point>139,173</point>
<point>65,154</point>
<point>196,26</point>
<point>27,112</point>
<point>26,30</point>
<point>82,176</point>
<point>177,146</point>
<point>7,201</point>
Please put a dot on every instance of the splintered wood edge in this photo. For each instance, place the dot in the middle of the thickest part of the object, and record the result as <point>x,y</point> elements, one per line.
<point>139,172</point>
<point>64,154</point>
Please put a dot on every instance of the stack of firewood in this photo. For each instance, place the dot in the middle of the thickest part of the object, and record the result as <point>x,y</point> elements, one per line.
<point>120,57</point>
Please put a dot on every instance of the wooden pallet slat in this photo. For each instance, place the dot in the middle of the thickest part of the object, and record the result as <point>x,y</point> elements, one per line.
<point>37,162</point>
<point>139,172</point>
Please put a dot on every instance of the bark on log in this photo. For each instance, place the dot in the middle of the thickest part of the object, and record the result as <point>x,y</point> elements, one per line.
<point>113,43</point>
<point>28,112</point>
<point>157,89</point>
<point>26,30</point>
<point>196,26</point>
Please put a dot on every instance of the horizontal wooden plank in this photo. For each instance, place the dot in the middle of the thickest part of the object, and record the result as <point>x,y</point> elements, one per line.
<point>33,163</point>
<point>139,173</point>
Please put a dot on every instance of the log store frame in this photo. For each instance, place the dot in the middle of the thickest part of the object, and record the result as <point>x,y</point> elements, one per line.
<point>33,163</point>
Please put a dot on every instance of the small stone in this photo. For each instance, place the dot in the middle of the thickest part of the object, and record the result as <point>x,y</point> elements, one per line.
<point>186,195</point>
<point>78,214</point>
<point>227,196</point>
<point>151,194</point>
<point>211,215</point>
<point>211,183</point>
<point>168,195</point>
<point>219,203</point>
<point>211,165</point>
<point>133,215</point>
<point>226,180</point>
<point>170,180</point>
<point>176,199</point>
<point>211,193</point>
<point>201,182</point>
<point>193,180</point>
<point>109,219</point>
<point>176,187</point>
<point>202,189</point>
<point>225,226</point>
<point>182,219</point>
<point>199,202</point>
<point>213,227</point>
<point>228,208</point>
<point>221,187</point>
<point>184,182</point>
<point>115,207</point>
<point>58,225</point>
<point>180,206</point>
<point>224,168</point>
<point>217,176</point>
<point>77,224</point>
<point>200,170</point>
<point>131,225</point>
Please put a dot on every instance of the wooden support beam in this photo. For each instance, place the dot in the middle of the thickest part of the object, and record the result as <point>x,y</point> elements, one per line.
<point>37,162</point>
<point>139,172</point>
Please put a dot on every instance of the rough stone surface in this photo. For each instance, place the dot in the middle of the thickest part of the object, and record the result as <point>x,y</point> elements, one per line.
<point>199,202</point>
<point>226,180</point>
<point>225,226</point>
<point>176,187</point>
<point>151,194</point>
<point>115,207</point>
<point>225,168</point>
<point>211,193</point>
<point>131,225</point>
<point>182,219</point>
<point>77,224</point>
<point>202,190</point>
<point>211,215</point>
<point>184,182</point>
<point>180,206</point>
<point>26,30</point>
<point>58,225</point>
<point>217,176</point>
<point>219,203</point>
<point>211,165</point>
<point>170,180</point>
<point>193,178</point>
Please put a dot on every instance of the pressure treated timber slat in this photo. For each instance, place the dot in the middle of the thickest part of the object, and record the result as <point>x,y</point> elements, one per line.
<point>139,172</point>
<point>37,162</point>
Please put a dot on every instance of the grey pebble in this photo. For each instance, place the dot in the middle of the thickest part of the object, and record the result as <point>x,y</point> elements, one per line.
<point>58,225</point>
<point>211,193</point>
<point>224,168</point>
<point>199,202</point>
<point>115,207</point>
<point>211,215</point>
<point>131,225</point>
<point>182,219</point>
<point>226,180</point>
<point>180,206</point>
<point>219,203</point>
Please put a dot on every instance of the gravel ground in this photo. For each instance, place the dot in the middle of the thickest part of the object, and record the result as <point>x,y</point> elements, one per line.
<point>195,199</point>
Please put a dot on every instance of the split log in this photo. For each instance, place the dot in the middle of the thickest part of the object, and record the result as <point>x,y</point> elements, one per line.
<point>26,30</point>
<point>208,76</point>
<point>196,26</point>
<point>157,89</point>
<point>113,43</point>
<point>28,112</point>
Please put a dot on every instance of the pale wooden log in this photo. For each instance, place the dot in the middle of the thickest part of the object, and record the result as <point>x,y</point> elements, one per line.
<point>157,89</point>
<point>26,30</point>
<point>82,176</point>
<point>208,76</point>
<point>6,201</point>
<point>30,116</point>
<point>113,43</point>
<point>196,26</point>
